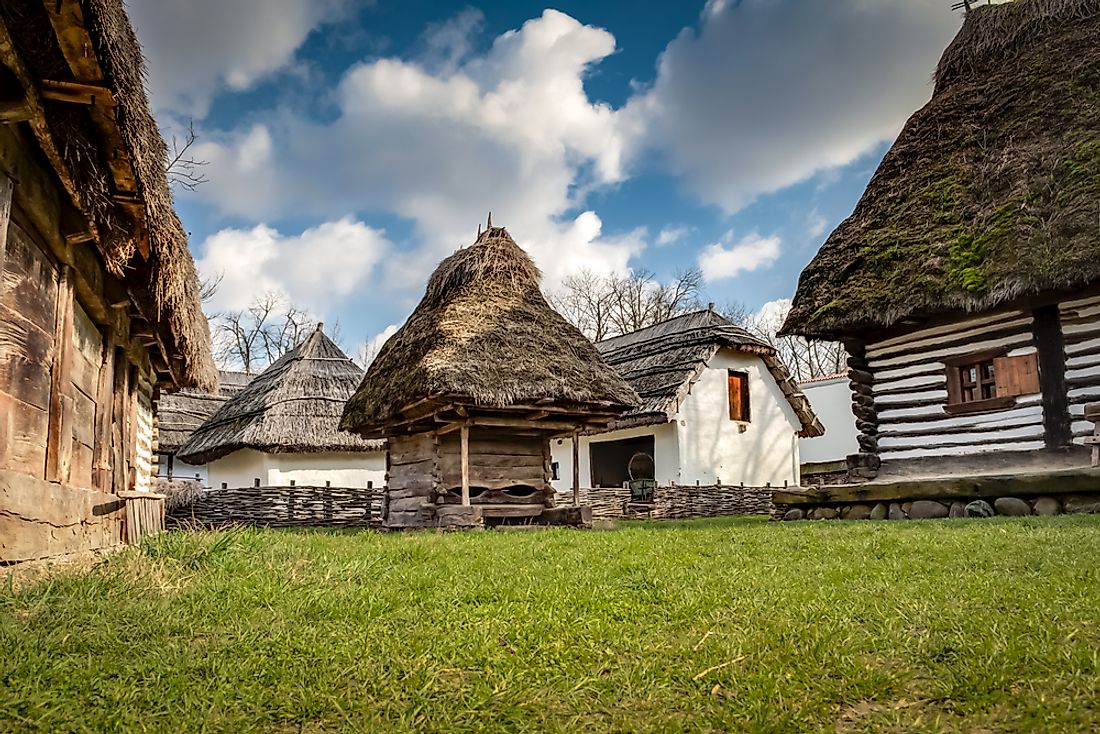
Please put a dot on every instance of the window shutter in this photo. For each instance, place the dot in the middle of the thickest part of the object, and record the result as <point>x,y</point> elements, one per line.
<point>735,396</point>
<point>954,389</point>
<point>1017,375</point>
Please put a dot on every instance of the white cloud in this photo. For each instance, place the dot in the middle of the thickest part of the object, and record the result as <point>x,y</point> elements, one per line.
<point>769,92</point>
<point>313,270</point>
<point>366,351</point>
<point>511,130</point>
<point>816,224</point>
<point>196,47</point>
<point>670,235</point>
<point>771,316</point>
<point>750,253</point>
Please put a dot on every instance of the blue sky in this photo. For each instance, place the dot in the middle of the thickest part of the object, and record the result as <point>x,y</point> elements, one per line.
<point>352,145</point>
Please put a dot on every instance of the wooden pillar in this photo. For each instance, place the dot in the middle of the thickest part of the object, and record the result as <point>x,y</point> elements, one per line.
<point>576,469</point>
<point>104,405</point>
<point>59,432</point>
<point>1051,348</point>
<point>464,433</point>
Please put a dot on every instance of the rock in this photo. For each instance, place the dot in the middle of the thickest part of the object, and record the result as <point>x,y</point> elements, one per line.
<point>979,508</point>
<point>896,513</point>
<point>879,511</point>
<point>856,512</point>
<point>794,514</point>
<point>1011,507</point>
<point>1082,503</point>
<point>1047,506</point>
<point>927,510</point>
<point>958,509</point>
<point>825,513</point>
<point>407,504</point>
<point>906,506</point>
<point>568,515</point>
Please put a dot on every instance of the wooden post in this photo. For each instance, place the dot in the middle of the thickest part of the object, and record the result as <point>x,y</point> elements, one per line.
<point>58,444</point>
<point>465,436</point>
<point>1051,347</point>
<point>576,470</point>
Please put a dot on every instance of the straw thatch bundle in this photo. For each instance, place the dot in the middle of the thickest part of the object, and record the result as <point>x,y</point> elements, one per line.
<point>990,192</point>
<point>100,152</point>
<point>292,406</point>
<point>484,334</point>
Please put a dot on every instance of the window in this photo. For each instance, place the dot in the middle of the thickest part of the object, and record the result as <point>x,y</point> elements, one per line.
<point>555,469</point>
<point>989,380</point>
<point>739,396</point>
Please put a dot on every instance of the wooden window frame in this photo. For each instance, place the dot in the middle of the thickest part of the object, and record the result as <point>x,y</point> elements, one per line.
<point>745,415</point>
<point>955,404</point>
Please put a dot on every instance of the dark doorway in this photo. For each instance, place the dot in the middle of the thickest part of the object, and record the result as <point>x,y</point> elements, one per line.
<point>611,460</point>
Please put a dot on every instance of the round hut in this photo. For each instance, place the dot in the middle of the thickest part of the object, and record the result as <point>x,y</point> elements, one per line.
<point>281,429</point>
<point>469,392</point>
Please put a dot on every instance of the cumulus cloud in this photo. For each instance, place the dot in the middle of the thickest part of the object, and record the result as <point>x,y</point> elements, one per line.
<point>196,47</point>
<point>511,130</point>
<point>768,92</point>
<point>671,235</point>
<point>750,253</point>
<point>313,269</point>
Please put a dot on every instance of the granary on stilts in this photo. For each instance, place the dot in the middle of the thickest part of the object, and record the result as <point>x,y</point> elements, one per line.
<point>280,429</point>
<point>99,305</point>
<point>469,392</point>
<point>966,284</point>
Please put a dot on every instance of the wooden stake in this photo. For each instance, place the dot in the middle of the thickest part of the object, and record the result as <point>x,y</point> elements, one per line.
<point>576,470</point>
<point>465,436</point>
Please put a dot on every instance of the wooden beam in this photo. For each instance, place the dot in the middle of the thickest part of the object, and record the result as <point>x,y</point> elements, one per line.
<point>576,469</point>
<point>59,445</point>
<point>465,439</point>
<point>1050,345</point>
<point>76,93</point>
<point>15,111</point>
<point>101,452</point>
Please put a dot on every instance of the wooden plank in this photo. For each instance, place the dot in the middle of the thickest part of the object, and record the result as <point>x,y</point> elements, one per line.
<point>83,425</point>
<point>87,352</point>
<point>576,469</point>
<point>25,360</point>
<point>22,436</point>
<point>60,381</point>
<point>5,216</point>
<point>28,284</point>
<point>101,448</point>
<point>80,473</point>
<point>465,440</point>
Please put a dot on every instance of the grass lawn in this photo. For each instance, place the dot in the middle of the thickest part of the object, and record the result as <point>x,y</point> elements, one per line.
<point>719,625</point>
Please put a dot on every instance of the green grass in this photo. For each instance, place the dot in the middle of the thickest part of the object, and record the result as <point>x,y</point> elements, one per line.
<point>711,625</point>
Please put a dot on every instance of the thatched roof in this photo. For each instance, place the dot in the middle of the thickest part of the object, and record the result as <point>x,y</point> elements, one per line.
<point>180,413</point>
<point>291,407</point>
<point>989,194</point>
<point>80,74</point>
<point>483,335</point>
<point>663,361</point>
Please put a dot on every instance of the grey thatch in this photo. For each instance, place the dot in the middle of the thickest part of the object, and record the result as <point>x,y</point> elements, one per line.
<point>484,335</point>
<point>180,413</point>
<point>97,132</point>
<point>291,407</point>
<point>663,361</point>
<point>990,192</point>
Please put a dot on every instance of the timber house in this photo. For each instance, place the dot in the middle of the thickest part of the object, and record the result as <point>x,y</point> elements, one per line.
<point>99,304</point>
<point>470,390</point>
<point>966,284</point>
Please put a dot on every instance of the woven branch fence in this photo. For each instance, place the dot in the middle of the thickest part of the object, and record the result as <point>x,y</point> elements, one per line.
<point>677,503</point>
<point>282,507</point>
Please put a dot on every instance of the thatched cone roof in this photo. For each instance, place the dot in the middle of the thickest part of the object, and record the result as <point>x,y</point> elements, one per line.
<point>484,335</point>
<point>291,407</point>
<point>991,191</point>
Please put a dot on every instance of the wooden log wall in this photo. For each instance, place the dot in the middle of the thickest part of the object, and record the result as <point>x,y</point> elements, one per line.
<point>909,379</point>
<point>677,503</point>
<point>282,507</point>
<point>413,475</point>
<point>144,434</point>
<point>497,461</point>
<point>1081,335</point>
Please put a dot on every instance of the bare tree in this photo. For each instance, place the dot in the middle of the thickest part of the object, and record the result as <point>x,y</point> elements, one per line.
<point>606,306</point>
<point>208,287</point>
<point>184,169</point>
<point>805,358</point>
<point>253,338</point>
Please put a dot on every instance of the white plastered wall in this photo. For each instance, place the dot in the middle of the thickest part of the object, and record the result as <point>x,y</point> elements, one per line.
<point>832,402</point>
<point>242,468</point>
<point>666,457</point>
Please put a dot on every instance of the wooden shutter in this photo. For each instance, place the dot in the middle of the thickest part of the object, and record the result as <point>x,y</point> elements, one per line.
<point>1017,375</point>
<point>739,396</point>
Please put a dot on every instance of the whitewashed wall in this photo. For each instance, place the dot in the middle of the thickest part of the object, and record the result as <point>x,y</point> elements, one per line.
<point>144,458</point>
<point>666,459</point>
<point>832,402</point>
<point>1081,331</point>
<point>911,392</point>
<point>242,468</point>
<point>712,447</point>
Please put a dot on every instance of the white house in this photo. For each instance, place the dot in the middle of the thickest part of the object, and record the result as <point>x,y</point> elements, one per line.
<point>281,429</point>
<point>717,407</point>
<point>831,399</point>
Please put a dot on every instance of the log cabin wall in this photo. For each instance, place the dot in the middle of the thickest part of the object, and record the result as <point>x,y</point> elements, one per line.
<point>1081,335</point>
<point>498,460</point>
<point>911,391</point>
<point>412,479</point>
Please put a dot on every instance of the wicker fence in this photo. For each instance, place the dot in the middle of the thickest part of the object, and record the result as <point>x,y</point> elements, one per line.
<point>282,507</point>
<point>678,503</point>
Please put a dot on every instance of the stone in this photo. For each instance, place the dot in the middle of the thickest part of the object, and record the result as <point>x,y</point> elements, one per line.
<point>1047,506</point>
<point>407,504</point>
<point>906,506</point>
<point>979,508</point>
<point>568,515</point>
<point>856,512</point>
<point>879,511</point>
<point>825,513</point>
<point>1082,503</point>
<point>896,513</point>
<point>1011,507</point>
<point>794,513</point>
<point>958,509</point>
<point>928,510</point>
